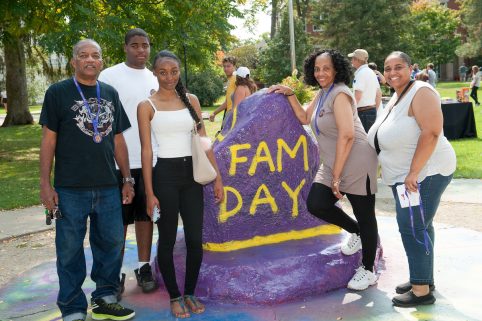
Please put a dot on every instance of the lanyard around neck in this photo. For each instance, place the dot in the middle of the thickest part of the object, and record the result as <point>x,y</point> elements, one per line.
<point>95,118</point>
<point>320,108</point>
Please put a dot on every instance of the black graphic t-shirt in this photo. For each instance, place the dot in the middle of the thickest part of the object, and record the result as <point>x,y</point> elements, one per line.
<point>79,161</point>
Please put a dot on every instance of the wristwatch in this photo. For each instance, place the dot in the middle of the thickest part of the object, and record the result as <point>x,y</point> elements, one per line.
<point>129,180</point>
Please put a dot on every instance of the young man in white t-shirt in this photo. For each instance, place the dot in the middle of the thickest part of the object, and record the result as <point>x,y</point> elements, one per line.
<point>366,88</point>
<point>135,83</point>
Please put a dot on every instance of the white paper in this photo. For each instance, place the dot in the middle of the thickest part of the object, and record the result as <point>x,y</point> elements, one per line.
<point>413,197</point>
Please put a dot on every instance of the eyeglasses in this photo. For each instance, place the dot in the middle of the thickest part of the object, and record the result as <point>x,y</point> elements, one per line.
<point>85,56</point>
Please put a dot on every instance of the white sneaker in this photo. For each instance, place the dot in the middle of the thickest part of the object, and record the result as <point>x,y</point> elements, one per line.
<point>351,245</point>
<point>362,279</point>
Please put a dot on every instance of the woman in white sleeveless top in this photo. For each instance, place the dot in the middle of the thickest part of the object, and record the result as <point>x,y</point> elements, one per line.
<point>170,114</point>
<point>412,150</point>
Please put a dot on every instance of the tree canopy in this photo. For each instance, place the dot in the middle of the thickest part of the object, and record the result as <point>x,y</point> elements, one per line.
<point>471,13</point>
<point>196,27</point>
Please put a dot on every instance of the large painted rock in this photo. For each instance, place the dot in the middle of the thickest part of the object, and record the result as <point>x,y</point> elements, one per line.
<point>267,161</point>
<point>261,244</point>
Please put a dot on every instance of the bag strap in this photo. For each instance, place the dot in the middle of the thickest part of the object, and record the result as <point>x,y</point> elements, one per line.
<point>377,145</point>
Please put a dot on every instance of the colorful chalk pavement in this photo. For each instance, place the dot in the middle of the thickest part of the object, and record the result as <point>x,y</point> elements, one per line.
<point>458,277</point>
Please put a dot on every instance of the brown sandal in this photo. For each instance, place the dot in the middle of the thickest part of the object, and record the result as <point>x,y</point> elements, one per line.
<point>184,313</point>
<point>193,304</point>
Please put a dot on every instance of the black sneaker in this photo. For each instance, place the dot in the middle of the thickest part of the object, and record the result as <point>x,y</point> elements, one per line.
<point>145,279</point>
<point>405,287</point>
<point>110,311</point>
<point>409,299</point>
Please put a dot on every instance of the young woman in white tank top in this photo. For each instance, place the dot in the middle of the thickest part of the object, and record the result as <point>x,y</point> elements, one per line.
<point>170,114</point>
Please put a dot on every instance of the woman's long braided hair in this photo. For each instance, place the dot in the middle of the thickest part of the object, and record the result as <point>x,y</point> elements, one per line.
<point>180,89</point>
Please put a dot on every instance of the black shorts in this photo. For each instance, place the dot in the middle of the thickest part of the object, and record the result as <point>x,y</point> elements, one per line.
<point>136,211</point>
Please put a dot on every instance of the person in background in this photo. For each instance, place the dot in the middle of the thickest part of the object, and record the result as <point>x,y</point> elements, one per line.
<point>420,161</point>
<point>381,79</point>
<point>82,123</point>
<point>229,66</point>
<point>463,72</point>
<point>349,163</point>
<point>170,115</point>
<point>366,88</point>
<point>135,82</point>
<point>432,76</point>
<point>415,71</point>
<point>245,86</point>
<point>475,84</point>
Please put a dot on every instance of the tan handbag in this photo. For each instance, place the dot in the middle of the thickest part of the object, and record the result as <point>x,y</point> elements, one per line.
<point>203,171</point>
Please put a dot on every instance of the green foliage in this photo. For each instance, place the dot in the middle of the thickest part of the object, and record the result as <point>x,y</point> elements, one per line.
<point>431,35</point>
<point>373,25</point>
<point>199,26</point>
<point>302,92</point>
<point>471,13</point>
<point>206,85</point>
<point>246,55</point>
<point>275,62</point>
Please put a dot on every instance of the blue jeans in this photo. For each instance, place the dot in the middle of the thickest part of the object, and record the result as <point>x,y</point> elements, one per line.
<point>103,205</point>
<point>419,262</point>
<point>368,118</point>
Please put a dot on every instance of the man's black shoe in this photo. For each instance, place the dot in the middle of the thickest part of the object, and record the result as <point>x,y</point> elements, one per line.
<point>145,279</point>
<point>409,299</point>
<point>405,287</point>
<point>102,310</point>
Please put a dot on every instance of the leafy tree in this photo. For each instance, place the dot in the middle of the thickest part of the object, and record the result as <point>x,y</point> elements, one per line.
<point>207,86</point>
<point>374,25</point>
<point>432,34</point>
<point>195,27</point>
<point>246,55</point>
<point>275,62</point>
<point>471,13</point>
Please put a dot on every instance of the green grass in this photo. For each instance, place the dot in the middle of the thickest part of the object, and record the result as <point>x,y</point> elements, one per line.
<point>33,109</point>
<point>19,149</point>
<point>468,150</point>
<point>19,165</point>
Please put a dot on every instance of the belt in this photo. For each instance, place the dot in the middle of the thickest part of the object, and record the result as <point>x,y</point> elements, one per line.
<point>365,108</point>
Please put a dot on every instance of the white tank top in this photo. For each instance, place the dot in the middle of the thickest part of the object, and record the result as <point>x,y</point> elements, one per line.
<point>398,137</point>
<point>172,130</point>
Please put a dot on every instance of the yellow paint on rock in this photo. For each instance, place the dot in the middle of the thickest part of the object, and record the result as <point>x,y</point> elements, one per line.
<point>327,229</point>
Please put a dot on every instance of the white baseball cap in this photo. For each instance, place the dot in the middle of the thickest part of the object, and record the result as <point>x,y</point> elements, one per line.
<point>360,54</point>
<point>242,72</point>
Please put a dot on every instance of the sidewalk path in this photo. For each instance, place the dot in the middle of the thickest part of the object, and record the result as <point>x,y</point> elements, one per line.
<point>29,220</point>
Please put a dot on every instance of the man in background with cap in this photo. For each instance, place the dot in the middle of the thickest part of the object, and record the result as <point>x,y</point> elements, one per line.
<point>366,88</point>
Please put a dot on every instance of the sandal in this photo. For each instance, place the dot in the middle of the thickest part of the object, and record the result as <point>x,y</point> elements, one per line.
<point>193,304</point>
<point>183,312</point>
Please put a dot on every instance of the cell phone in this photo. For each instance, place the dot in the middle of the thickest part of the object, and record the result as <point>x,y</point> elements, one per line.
<point>156,214</point>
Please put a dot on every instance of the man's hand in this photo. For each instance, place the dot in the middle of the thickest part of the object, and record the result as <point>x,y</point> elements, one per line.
<point>211,117</point>
<point>127,193</point>
<point>48,197</point>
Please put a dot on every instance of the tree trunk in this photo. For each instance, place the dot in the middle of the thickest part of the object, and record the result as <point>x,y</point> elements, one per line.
<point>18,112</point>
<point>274,17</point>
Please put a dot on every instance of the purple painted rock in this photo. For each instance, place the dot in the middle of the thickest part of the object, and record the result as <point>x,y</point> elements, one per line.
<point>267,161</point>
<point>261,244</point>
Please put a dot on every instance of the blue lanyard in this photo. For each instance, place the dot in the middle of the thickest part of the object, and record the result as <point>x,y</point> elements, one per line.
<point>426,237</point>
<point>319,108</point>
<point>95,120</point>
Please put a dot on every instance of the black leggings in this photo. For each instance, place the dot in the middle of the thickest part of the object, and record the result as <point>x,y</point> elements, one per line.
<point>321,203</point>
<point>177,192</point>
<point>473,94</point>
